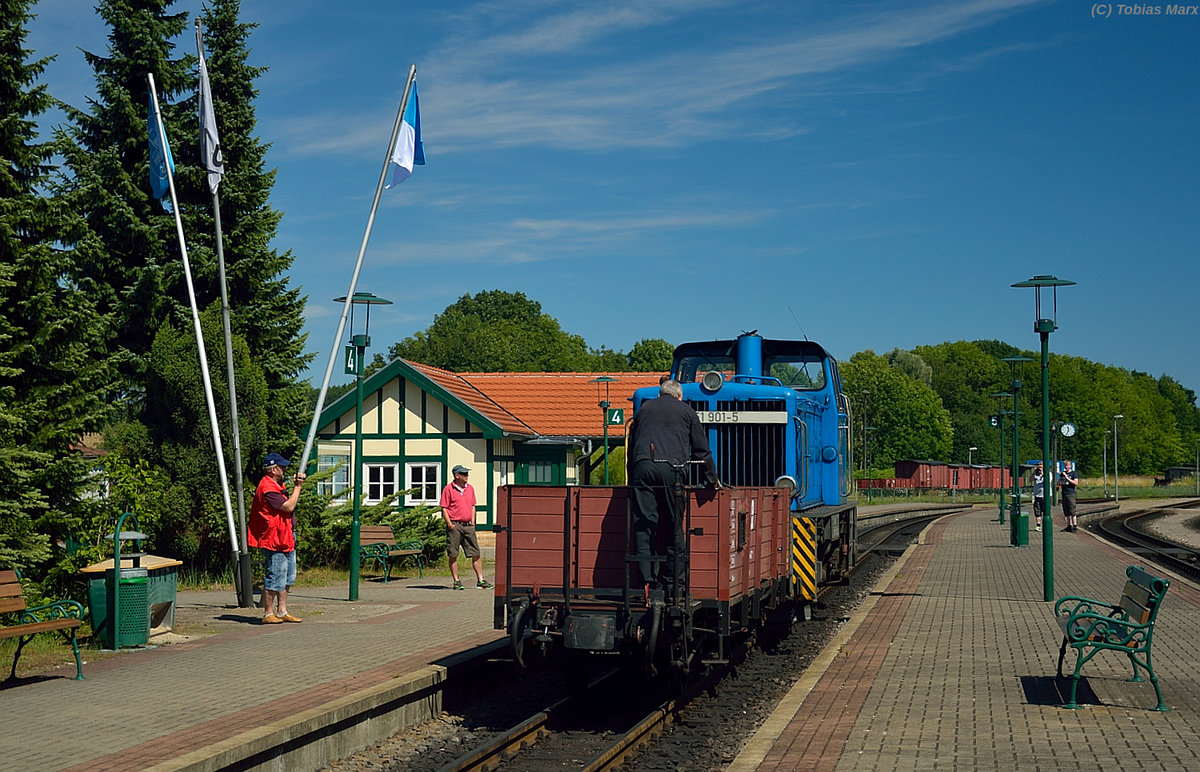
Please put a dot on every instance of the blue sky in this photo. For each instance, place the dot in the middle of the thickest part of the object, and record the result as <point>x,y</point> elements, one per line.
<point>869,175</point>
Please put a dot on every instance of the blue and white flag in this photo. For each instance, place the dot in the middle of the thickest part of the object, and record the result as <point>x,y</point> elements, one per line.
<point>408,150</point>
<point>160,158</point>
<point>210,145</point>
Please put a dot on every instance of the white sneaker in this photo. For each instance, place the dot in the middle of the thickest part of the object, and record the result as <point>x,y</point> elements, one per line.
<point>1039,528</point>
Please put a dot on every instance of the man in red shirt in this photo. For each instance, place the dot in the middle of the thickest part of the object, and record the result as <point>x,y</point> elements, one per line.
<point>458,510</point>
<point>272,530</point>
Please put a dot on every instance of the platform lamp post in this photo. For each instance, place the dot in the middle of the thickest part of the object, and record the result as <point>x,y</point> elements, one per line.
<point>867,456</point>
<point>999,421</point>
<point>865,394</point>
<point>1108,432</point>
<point>1017,519</point>
<point>355,353</point>
<point>1116,475</point>
<point>1196,474</point>
<point>1043,327</point>
<point>604,406</point>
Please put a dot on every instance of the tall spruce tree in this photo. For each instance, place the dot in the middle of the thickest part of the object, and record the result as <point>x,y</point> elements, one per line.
<point>54,375</point>
<point>136,276</point>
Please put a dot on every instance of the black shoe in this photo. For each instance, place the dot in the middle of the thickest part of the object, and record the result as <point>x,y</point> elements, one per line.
<point>1067,529</point>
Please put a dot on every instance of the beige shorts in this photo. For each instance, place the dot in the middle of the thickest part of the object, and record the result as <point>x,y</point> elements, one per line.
<point>462,535</point>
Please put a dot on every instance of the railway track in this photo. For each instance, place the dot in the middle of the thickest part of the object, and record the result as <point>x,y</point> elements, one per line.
<point>701,729</point>
<point>553,736</point>
<point>1134,531</point>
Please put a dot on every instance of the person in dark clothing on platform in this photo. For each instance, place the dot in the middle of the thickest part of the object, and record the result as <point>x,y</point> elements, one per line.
<point>1068,481</point>
<point>664,436</point>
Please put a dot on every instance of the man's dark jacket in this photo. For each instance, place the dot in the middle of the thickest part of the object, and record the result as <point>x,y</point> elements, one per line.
<point>665,429</point>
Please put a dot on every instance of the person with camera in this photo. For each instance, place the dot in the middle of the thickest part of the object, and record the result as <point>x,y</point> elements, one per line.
<point>272,529</point>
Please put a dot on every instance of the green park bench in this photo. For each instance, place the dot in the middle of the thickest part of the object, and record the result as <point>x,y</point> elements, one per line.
<point>63,616</point>
<point>377,543</point>
<point>1127,626</point>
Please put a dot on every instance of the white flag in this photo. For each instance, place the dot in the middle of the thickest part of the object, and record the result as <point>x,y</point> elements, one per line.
<point>409,150</point>
<point>210,145</point>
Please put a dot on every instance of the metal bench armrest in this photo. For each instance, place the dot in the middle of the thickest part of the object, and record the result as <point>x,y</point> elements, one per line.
<point>59,609</point>
<point>1077,604</point>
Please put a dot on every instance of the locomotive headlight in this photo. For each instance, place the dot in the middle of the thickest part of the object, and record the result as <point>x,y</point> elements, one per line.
<point>712,381</point>
<point>787,482</point>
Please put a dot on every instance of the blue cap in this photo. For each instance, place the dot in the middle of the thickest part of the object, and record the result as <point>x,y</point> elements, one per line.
<point>274,458</point>
<point>460,469</point>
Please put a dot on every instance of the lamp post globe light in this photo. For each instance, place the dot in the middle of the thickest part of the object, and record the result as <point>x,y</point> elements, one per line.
<point>999,420</point>
<point>1116,474</point>
<point>1018,521</point>
<point>1043,327</point>
<point>355,353</point>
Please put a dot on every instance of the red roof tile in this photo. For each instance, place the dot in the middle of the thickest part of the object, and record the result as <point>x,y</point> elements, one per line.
<point>545,404</point>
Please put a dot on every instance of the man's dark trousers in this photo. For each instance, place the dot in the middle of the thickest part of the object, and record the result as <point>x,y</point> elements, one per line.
<point>657,499</point>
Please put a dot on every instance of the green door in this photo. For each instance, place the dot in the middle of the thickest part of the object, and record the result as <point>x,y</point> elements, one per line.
<point>541,466</point>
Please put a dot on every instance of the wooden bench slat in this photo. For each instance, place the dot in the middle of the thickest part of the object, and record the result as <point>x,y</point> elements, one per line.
<point>38,627</point>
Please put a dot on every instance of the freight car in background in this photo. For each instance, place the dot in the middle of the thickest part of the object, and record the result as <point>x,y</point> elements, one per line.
<point>941,475</point>
<point>778,426</point>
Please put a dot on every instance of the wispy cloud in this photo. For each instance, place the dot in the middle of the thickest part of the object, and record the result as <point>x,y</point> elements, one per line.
<point>527,240</point>
<point>576,79</point>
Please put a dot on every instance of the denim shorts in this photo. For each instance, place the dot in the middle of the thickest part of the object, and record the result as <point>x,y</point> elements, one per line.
<point>281,571</point>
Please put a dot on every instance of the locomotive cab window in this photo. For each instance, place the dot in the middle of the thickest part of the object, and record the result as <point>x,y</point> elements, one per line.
<point>798,372</point>
<point>692,369</point>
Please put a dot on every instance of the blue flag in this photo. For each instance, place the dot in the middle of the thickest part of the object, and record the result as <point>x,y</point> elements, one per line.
<point>160,158</point>
<point>408,150</point>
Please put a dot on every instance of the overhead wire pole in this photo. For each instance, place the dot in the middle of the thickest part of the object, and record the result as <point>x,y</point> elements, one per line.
<point>362,251</point>
<point>187,271</point>
<point>212,161</point>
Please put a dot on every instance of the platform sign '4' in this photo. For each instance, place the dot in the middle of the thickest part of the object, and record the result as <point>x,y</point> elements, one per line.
<point>615,416</point>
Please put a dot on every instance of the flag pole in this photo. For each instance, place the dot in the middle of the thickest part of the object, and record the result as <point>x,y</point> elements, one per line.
<point>187,270</point>
<point>362,251</point>
<point>243,580</point>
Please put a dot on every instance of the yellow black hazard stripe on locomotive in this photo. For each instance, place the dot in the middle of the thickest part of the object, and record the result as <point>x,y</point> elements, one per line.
<point>804,558</point>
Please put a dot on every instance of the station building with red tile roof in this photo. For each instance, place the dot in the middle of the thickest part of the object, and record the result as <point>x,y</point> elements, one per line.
<point>507,428</point>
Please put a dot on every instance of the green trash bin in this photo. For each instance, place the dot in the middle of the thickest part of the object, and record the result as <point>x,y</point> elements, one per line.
<point>133,606</point>
<point>160,593</point>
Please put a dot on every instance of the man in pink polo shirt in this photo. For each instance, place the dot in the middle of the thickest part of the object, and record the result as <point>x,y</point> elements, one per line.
<point>458,510</point>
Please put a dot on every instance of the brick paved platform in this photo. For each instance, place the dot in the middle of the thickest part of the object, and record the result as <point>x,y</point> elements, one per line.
<point>214,701</point>
<point>950,665</point>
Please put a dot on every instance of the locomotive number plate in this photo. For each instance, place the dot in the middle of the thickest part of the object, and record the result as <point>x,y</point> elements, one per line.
<point>742,416</point>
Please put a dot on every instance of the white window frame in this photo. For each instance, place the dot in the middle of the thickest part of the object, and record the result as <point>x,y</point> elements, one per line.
<point>375,488</point>
<point>341,485</point>
<point>416,500</point>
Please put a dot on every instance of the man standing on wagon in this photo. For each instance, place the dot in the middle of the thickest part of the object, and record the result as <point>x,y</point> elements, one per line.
<point>664,436</point>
